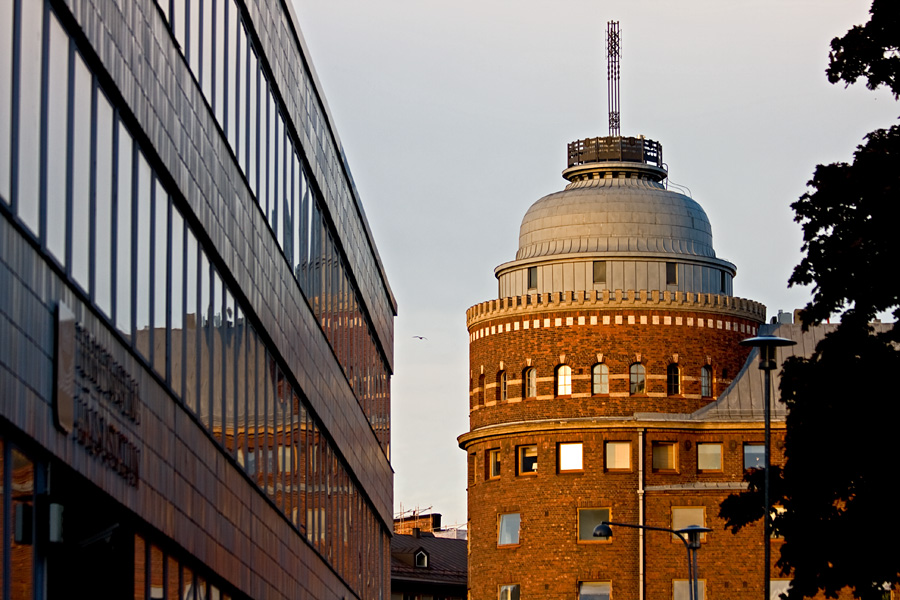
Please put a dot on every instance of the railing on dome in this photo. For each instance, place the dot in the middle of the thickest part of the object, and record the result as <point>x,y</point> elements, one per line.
<point>615,149</point>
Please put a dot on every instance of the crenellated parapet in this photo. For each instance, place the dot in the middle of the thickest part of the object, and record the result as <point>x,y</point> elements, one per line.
<point>617,299</point>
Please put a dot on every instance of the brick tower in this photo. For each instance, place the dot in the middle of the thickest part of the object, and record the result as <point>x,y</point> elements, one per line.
<point>592,382</point>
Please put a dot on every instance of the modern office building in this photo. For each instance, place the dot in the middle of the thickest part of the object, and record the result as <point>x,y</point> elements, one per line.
<point>195,325</point>
<point>607,383</point>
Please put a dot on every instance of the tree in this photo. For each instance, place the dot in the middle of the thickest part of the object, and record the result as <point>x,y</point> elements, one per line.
<point>837,486</point>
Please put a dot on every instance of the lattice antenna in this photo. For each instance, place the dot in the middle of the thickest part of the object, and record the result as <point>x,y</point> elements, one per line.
<point>613,53</point>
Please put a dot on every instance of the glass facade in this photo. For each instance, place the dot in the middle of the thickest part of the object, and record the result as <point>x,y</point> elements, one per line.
<point>249,110</point>
<point>78,180</point>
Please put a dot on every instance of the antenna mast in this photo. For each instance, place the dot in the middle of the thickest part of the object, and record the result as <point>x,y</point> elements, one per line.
<point>612,75</point>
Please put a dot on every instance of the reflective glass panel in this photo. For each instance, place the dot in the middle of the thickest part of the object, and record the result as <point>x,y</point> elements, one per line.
<point>57,139</point>
<point>218,61</point>
<point>142,279</point>
<point>205,350</point>
<point>230,68</point>
<point>81,173</point>
<point>103,250</point>
<point>30,39</point>
<point>206,46</point>
<point>217,339</point>
<point>6,42</point>
<point>509,529</point>
<point>191,357</point>
<point>252,121</point>
<point>193,33</point>
<point>179,16</point>
<point>124,193</point>
<point>228,333</point>
<point>160,278</point>
<point>177,299</point>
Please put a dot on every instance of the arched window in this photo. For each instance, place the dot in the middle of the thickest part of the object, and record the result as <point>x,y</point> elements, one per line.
<point>637,378</point>
<point>530,383</point>
<point>480,394</point>
<point>501,387</point>
<point>600,379</point>
<point>673,380</point>
<point>564,380</point>
<point>706,381</point>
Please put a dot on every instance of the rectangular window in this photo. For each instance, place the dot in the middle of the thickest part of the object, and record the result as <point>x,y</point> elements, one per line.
<point>528,463</point>
<point>709,457</point>
<point>570,457</point>
<point>671,273</point>
<point>6,53</point>
<point>31,19</point>
<point>618,456</point>
<point>501,387</point>
<point>754,456</point>
<point>493,463</point>
<point>664,456</point>
<point>600,379</point>
<point>508,531</point>
<point>124,225</point>
<point>509,592</point>
<point>57,139</point>
<point>532,278</point>
<point>588,519</point>
<point>594,590</point>
<point>103,250</point>
<point>681,589</point>
<point>780,586</point>
<point>81,173</point>
<point>599,271</point>
<point>683,516</point>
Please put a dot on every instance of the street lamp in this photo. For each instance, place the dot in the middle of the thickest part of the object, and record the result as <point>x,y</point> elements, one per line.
<point>691,543</point>
<point>767,345</point>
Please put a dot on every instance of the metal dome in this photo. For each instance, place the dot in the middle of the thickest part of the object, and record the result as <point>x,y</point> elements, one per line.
<point>615,215</point>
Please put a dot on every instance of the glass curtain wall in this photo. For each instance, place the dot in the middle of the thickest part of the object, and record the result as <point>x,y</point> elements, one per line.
<point>87,192</point>
<point>220,53</point>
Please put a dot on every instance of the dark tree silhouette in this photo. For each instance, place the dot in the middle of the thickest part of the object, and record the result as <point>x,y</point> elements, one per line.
<point>838,485</point>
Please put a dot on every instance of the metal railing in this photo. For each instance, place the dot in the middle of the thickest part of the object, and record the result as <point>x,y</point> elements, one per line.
<point>615,149</point>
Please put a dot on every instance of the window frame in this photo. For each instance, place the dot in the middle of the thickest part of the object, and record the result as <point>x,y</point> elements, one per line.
<point>563,381</point>
<point>673,380</point>
<point>520,455</point>
<point>721,467</point>
<point>490,463</point>
<point>591,539</point>
<point>529,383</point>
<point>637,379</point>
<point>673,445</point>
<point>600,269</point>
<point>600,371</point>
<point>518,535</point>
<point>608,585</point>
<point>706,381</point>
<point>502,389</point>
<point>559,457</point>
<point>762,456</point>
<point>671,273</point>
<point>512,588</point>
<point>606,455</point>
<point>702,523</point>
<point>701,589</point>
<point>532,280</point>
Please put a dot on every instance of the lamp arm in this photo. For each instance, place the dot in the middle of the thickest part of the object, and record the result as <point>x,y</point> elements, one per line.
<point>633,526</point>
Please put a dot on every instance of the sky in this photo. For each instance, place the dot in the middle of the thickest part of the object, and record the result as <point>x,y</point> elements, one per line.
<point>455,115</point>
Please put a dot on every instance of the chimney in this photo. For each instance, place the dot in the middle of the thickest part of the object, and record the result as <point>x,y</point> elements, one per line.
<point>417,533</point>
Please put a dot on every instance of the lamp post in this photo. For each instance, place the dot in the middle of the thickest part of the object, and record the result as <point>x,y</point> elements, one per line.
<point>767,345</point>
<point>691,543</point>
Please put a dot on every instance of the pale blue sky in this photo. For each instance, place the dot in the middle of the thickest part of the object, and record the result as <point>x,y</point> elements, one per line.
<point>455,116</point>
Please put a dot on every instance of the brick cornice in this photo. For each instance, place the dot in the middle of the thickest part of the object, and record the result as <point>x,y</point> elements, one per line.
<point>606,423</point>
<point>615,299</point>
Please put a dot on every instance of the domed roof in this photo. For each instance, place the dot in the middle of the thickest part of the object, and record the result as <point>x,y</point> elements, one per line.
<point>616,215</point>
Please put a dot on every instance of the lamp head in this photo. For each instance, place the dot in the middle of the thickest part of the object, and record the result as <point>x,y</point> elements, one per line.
<point>693,533</point>
<point>602,530</point>
<point>767,345</point>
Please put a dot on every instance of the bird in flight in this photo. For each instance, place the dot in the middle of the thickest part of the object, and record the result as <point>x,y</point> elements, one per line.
<point>419,337</point>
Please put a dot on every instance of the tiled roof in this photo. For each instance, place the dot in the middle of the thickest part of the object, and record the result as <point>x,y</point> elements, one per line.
<point>446,559</point>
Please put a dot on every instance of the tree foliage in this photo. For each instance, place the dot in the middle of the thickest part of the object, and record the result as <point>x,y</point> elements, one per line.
<point>838,486</point>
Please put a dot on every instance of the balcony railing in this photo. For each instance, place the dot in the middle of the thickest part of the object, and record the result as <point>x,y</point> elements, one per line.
<point>615,149</point>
